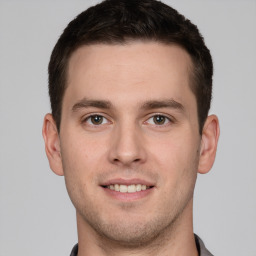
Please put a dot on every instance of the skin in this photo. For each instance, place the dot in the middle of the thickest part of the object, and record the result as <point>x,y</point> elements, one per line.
<point>131,87</point>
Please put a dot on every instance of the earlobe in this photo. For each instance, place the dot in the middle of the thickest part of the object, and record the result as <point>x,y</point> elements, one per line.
<point>52,144</point>
<point>209,141</point>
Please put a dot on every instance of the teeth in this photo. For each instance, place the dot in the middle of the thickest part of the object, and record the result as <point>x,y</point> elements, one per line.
<point>138,187</point>
<point>127,189</point>
<point>131,189</point>
<point>123,188</point>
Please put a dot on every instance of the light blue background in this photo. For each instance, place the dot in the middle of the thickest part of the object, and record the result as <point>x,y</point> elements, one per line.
<point>36,216</point>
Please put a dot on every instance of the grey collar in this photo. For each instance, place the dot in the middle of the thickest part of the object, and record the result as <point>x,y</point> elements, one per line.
<point>199,244</point>
<point>201,247</point>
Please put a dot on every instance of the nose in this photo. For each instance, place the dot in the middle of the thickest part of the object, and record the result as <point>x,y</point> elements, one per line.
<point>127,147</point>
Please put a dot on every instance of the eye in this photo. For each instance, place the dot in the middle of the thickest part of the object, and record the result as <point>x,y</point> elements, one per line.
<point>96,120</point>
<point>158,120</point>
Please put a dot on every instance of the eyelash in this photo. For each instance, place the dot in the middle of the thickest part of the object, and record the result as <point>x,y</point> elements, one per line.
<point>166,119</point>
<point>85,120</point>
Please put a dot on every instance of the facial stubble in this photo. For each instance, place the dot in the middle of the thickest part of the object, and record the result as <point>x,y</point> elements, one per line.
<point>127,231</point>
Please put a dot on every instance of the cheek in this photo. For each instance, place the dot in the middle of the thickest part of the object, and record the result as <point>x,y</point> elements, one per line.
<point>78,172</point>
<point>83,156</point>
<point>82,151</point>
<point>78,159</point>
<point>176,156</point>
<point>177,161</point>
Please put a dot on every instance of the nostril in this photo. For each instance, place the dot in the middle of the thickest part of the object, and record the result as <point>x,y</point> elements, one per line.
<point>116,160</point>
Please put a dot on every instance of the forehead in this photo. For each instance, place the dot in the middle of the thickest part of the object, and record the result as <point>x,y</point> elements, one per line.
<point>135,70</point>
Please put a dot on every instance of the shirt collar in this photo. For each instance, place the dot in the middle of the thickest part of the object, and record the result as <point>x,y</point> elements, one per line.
<point>202,251</point>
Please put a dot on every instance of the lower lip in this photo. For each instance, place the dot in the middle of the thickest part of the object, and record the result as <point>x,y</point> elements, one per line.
<point>128,196</point>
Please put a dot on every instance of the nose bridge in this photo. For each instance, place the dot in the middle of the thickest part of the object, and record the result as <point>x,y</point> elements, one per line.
<point>127,147</point>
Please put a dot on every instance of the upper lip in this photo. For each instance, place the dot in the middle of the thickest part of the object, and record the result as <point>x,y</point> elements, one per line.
<point>127,182</point>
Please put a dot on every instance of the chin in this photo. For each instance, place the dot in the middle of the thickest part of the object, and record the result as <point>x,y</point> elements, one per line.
<point>129,232</point>
<point>132,235</point>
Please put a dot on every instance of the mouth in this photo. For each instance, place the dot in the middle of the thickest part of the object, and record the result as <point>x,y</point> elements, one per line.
<point>128,188</point>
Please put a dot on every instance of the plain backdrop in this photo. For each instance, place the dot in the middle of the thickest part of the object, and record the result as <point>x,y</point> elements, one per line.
<point>36,215</point>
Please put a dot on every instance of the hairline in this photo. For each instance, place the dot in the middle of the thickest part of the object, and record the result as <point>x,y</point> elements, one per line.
<point>128,41</point>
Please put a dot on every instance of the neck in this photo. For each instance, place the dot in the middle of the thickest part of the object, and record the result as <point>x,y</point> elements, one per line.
<point>176,239</point>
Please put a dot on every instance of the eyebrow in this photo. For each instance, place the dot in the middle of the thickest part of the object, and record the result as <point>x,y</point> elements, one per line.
<point>170,103</point>
<point>86,103</point>
<point>104,104</point>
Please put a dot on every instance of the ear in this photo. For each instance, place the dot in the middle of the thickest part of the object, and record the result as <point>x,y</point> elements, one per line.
<point>209,141</point>
<point>52,144</point>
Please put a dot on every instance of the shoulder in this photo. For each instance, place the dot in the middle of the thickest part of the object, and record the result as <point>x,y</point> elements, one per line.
<point>74,250</point>
<point>201,247</point>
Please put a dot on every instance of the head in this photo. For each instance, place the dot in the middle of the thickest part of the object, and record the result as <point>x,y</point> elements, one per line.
<point>120,22</point>
<point>130,88</point>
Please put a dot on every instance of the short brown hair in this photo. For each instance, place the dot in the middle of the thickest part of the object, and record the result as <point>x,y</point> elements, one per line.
<point>119,21</point>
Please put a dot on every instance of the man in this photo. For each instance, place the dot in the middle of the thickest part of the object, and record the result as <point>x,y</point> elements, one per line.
<point>130,87</point>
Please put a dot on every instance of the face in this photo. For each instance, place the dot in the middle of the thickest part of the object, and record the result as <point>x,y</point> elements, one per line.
<point>129,139</point>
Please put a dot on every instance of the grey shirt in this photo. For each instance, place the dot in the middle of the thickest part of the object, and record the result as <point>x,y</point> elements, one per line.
<point>202,251</point>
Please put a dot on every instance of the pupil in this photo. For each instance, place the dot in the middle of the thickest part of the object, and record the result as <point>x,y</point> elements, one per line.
<point>97,119</point>
<point>159,119</point>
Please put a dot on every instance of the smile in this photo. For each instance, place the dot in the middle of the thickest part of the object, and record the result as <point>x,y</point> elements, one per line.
<point>128,188</point>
